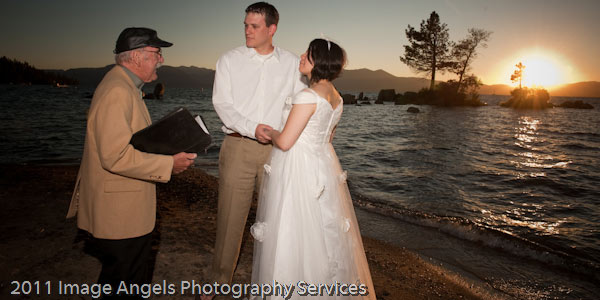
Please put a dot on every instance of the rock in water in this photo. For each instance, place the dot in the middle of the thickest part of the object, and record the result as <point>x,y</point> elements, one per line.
<point>413,109</point>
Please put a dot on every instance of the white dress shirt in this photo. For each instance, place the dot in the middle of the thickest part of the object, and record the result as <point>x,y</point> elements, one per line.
<point>251,89</point>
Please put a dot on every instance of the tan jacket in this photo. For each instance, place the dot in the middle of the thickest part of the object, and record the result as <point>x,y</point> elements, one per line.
<point>115,193</point>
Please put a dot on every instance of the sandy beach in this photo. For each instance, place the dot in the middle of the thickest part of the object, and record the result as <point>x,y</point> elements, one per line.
<point>40,245</point>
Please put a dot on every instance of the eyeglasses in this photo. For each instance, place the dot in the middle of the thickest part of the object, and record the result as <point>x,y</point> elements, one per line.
<point>159,52</point>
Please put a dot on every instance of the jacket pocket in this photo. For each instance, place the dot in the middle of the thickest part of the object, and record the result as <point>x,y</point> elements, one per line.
<point>122,185</point>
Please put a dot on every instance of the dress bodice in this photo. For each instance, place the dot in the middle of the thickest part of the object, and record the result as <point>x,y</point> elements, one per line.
<point>321,124</point>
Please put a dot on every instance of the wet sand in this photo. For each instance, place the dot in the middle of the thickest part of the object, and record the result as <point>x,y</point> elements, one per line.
<point>39,244</point>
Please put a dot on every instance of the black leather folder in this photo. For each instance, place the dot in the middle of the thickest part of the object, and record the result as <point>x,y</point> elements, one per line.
<point>176,132</point>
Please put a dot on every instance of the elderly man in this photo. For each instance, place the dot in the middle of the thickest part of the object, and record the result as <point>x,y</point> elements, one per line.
<point>115,194</point>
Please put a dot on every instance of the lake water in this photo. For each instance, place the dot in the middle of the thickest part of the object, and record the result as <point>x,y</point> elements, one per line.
<point>506,198</point>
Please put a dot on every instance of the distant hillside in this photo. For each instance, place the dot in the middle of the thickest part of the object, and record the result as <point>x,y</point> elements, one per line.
<point>85,76</point>
<point>361,80</point>
<point>365,80</point>
<point>13,71</point>
<point>495,89</point>
<point>186,77</point>
<point>579,89</point>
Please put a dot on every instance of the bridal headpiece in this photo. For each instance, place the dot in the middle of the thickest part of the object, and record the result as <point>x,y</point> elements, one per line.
<point>328,41</point>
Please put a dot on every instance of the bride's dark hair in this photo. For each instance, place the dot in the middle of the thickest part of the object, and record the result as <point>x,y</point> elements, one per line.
<point>327,58</point>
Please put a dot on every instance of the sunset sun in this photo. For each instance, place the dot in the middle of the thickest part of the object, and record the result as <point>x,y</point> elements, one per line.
<point>542,68</point>
<point>541,71</point>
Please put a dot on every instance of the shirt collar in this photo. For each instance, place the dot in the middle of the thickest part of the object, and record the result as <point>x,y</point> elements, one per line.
<point>251,53</point>
<point>136,80</point>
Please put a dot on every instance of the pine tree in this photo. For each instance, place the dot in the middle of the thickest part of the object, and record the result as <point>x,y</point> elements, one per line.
<point>465,51</point>
<point>428,49</point>
<point>518,74</point>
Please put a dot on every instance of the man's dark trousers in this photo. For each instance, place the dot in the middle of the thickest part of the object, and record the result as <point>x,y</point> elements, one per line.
<point>126,260</point>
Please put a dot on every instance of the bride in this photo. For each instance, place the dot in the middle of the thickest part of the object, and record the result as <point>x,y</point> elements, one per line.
<point>306,234</point>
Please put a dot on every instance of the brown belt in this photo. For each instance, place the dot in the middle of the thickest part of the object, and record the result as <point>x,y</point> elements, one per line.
<point>235,134</point>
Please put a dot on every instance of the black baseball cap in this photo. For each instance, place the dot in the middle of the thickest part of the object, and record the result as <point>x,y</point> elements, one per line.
<point>138,37</point>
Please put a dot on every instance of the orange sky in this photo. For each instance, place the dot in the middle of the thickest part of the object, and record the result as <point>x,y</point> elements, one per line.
<point>558,41</point>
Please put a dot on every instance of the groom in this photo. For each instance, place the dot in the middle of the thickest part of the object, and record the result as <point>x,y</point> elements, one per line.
<point>250,88</point>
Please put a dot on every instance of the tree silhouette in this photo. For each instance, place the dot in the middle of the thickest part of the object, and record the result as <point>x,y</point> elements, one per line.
<point>518,74</point>
<point>16,72</point>
<point>528,98</point>
<point>428,51</point>
<point>465,51</point>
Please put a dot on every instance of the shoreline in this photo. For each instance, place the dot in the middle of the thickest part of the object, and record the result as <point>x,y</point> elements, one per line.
<point>41,245</point>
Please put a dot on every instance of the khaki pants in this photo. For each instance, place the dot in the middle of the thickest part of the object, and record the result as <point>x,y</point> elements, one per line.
<point>241,170</point>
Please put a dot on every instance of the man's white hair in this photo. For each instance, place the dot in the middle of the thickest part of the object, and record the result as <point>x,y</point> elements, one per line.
<point>125,56</point>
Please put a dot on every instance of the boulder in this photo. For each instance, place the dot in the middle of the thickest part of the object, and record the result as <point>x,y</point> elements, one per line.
<point>159,92</point>
<point>386,95</point>
<point>575,104</point>
<point>349,99</point>
<point>413,110</point>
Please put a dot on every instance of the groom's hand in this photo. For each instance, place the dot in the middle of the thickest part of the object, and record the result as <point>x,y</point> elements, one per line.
<point>262,133</point>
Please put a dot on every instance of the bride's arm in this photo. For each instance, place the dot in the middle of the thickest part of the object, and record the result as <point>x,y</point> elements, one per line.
<point>297,120</point>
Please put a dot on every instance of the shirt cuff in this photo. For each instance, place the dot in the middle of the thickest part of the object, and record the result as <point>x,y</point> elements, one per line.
<point>252,126</point>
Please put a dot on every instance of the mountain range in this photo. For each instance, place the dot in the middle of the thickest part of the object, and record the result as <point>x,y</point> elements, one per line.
<point>360,80</point>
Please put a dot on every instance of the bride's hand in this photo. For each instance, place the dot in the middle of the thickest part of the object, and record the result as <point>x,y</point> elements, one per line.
<point>274,134</point>
<point>269,132</point>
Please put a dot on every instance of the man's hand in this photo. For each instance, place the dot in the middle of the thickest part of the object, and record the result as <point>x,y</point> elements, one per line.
<point>182,160</point>
<point>262,133</point>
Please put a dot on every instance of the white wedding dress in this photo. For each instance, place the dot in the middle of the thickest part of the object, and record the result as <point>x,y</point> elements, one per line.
<point>306,230</point>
